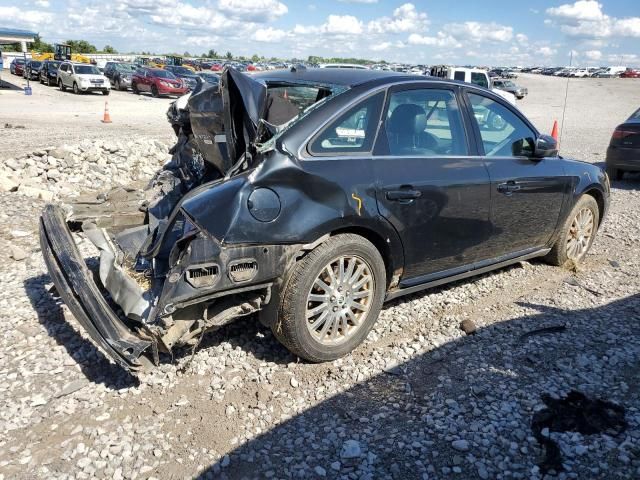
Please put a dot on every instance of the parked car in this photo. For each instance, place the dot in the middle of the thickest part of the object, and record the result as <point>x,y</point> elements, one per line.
<point>31,70</point>
<point>580,73</point>
<point>157,82</point>
<point>187,76</point>
<point>623,154</point>
<point>360,200</point>
<point>120,74</point>
<point>17,66</point>
<point>630,73</point>
<point>82,78</point>
<point>509,86</point>
<point>49,72</point>
<point>611,72</point>
<point>209,77</point>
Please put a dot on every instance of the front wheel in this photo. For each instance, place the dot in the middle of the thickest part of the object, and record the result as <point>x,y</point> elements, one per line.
<point>76,90</point>
<point>577,233</point>
<point>134,89</point>
<point>331,299</point>
<point>61,86</point>
<point>117,86</point>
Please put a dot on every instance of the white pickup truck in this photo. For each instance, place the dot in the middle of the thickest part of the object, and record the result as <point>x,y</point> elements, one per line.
<point>476,76</point>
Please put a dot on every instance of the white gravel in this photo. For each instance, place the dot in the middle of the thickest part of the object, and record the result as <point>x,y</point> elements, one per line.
<point>418,400</point>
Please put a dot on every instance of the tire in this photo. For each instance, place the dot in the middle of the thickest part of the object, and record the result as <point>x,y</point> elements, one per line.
<point>154,91</point>
<point>615,173</point>
<point>559,252</point>
<point>76,90</point>
<point>117,85</point>
<point>61,86</point>
<point>48,81</point>
<point>106,92</point>
<point>293,329</point>
<point>134,89</point>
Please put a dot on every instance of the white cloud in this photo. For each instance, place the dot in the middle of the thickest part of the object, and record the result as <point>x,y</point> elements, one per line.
<point>269,35</point>
<point>624,58</point>
<point>589,10</point>
<point>546,51</point>
<point>359,1</point>
<point>593,54</point>
<point>586,19</point>
<point>42,3</point>
<point>336,25</point>
<point>522,39</point>
<point>380,47</point>
<point>19,16</point>
<point>259,11</point>
<point>406,18</point>
<point>479,32</point>
<point>440,40</point>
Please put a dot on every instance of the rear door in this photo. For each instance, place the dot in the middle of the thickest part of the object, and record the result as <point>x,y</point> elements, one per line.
<point>526,193</point>
<point>427,185</point>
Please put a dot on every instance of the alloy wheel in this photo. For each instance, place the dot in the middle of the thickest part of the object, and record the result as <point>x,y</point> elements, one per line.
<point>339,299</point>
<point>580,233</point>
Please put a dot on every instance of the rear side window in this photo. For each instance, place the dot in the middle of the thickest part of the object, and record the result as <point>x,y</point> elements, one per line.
<point>424,123</point>
<point>352,132</point>
<point>458,76</point>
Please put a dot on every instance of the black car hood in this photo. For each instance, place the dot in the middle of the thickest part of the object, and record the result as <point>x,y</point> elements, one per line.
<point>224,120</point>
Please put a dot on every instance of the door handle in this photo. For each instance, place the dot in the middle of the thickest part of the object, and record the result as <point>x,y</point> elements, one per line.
<point>508,188</point>
<point>403,195</point>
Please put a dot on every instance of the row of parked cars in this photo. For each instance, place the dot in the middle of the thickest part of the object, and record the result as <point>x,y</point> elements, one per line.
<point>595,72</point>
<point>82,77</point>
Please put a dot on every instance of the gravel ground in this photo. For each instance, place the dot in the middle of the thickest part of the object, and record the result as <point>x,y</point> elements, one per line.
<point>419,399</point>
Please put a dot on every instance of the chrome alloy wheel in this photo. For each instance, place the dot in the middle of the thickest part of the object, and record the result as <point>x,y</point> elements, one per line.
<point>339,299</point>
<point>580,234</point>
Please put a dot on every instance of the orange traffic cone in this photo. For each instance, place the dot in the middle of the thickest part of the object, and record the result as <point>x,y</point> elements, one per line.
<point>554,130</point>
<point>106,118</point>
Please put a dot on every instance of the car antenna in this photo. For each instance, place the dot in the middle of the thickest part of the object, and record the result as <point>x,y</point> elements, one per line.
<point>566,94</point>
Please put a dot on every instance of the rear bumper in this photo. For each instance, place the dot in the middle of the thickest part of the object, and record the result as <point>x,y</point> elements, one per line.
<point>76,286</point>
<point>623,158</point>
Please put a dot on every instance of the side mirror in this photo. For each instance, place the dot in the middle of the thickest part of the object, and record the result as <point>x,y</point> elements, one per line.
<point>546,146</point>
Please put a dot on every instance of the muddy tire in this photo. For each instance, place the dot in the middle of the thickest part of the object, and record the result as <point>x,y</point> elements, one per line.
<point>577,234</point>
<point>331,299</point>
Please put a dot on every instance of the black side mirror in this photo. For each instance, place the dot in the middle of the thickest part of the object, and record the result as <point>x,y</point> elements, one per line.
<point>546,146</point>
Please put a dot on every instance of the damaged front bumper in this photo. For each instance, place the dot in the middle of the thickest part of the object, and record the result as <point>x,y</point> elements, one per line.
<point>76,286</point>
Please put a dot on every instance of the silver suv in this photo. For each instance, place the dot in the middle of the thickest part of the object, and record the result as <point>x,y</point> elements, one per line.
<point>82,77</point>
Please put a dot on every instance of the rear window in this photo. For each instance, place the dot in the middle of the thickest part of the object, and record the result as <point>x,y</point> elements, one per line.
<point>287,102</point>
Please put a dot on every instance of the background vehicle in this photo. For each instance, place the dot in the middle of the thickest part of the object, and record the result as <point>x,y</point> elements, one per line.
<point>82,78</point>
<point>187,76</point>
<point>630,73</point>
<point>509,86</point>
<point>17,66</point>
<point>580,73</point>
<point>391,205</point>
<point>611,72</point>
<point>119,74</point>
<point>475,76</point>
<point>157,81</point>
<point>49,72</point>
<point>209,77</point>
<point>177,61</point>
<point>31,69</point>
<point>355,66</point>
<point>623,154</point>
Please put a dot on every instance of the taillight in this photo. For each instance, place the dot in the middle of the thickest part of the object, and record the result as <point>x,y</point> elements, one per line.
<point>620,134</point>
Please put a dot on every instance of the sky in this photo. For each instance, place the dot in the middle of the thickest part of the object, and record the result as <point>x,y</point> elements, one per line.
<point>479,32</point>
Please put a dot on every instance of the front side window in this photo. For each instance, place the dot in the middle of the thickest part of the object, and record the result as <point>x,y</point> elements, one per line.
<point>353,131</point>
<point>503,133</point>
<point>424,122</point>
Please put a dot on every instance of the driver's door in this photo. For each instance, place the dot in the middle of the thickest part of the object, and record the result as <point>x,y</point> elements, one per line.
<point>526,193</point>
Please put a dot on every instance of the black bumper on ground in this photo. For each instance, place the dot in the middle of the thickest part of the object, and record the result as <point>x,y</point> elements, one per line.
<point>77,288</point>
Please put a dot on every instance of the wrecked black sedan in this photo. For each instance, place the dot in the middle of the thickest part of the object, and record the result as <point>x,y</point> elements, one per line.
<point>310,197</point>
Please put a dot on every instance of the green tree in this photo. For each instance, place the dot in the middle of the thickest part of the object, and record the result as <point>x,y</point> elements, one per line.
<point>39,46</point>
<point>255,58</point>
<point>81,46</point>
<point>109,49</point>
<point>228,56</point>
<point>213,54</point>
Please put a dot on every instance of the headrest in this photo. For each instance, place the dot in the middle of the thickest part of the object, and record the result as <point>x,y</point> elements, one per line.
<point>407,119</point>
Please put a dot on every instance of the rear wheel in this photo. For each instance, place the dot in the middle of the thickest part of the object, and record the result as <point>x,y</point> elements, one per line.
<point>154,91</point>
<point>332,298</point>
<point>117,86</point>
<point>577,234</point>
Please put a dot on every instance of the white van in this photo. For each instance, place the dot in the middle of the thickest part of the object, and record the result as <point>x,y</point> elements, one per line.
<point>476,76</point>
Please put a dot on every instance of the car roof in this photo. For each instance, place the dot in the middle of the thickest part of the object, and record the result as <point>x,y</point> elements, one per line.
<point>348,77</point>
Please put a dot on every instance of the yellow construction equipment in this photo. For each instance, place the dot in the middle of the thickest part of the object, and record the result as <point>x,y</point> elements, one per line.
<point>62,52</point>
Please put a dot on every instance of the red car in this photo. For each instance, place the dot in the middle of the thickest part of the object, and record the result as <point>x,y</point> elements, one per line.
<point>158,82</point>
<point>630,73</point>
<point>18,67</point>
<point>216,67</point>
